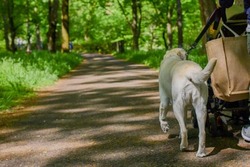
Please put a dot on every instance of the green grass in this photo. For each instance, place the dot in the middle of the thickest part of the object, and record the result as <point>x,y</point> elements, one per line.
<point>150,58</point>
<point>22,74</point>
<point>153,58</point>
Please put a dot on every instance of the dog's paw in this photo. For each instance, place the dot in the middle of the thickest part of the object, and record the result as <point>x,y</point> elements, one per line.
<point>200,154</point>
<point>164,126</point>
<point>185,148</point>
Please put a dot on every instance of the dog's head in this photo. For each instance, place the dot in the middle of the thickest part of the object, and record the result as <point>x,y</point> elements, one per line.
<point>181,53</point>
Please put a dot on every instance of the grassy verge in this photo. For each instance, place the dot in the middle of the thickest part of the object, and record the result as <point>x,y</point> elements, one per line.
<point>153,58</point>
<point>22,74</point>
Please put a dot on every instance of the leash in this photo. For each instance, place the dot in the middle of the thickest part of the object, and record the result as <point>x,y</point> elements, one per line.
<point>214,18</point>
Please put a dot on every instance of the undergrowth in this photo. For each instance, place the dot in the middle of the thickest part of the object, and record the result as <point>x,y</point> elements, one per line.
<point>153,58</point>
<point>21,74</point>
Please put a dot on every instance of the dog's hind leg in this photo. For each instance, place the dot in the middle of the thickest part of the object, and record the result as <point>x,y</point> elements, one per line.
<point>179,111</point>
<point>163,109</point>
<point>201,115</point>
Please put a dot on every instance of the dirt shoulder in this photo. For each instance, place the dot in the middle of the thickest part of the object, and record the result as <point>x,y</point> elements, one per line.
<point>105,113</point>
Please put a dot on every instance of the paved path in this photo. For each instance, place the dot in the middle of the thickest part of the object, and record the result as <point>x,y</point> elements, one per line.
<point>105,113</point>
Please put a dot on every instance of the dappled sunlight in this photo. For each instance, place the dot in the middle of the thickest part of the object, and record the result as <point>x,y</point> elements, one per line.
<point>146,95</point>
<point>243,144</point>
<point>6,131</point>
<point>49,150</point>
<point>112,155</point>
<point>42,133</point>
<point>121,154</point>
<point>129,118</point>
<point>116,128</point>
<point>230,158</point>
<point>118,109</point>
<point>156,138</point>
<point>76,110</point>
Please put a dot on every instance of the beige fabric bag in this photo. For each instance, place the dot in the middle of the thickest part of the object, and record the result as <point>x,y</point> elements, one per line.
<point>231,75</point>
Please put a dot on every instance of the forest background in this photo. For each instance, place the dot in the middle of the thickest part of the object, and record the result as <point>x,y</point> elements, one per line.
<point>101,25</point>
<point>51,30</point>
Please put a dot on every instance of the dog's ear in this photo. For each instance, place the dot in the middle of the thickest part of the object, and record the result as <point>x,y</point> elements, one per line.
<point>182,54</point>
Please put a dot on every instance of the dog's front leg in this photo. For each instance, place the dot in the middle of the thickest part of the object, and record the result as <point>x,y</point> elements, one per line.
<point>163,109</point>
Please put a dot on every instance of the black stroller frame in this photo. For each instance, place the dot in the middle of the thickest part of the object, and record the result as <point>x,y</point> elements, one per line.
<point>224,112</point>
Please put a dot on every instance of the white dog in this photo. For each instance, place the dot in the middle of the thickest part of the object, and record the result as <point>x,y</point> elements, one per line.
<point>183,83</point>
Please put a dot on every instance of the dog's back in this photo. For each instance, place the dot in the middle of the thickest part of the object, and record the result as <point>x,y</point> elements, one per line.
<point>165,75</point>
<point>177,74</point>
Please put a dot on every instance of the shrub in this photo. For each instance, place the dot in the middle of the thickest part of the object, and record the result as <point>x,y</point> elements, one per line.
<point>21,74</point>
<point>153,58</point>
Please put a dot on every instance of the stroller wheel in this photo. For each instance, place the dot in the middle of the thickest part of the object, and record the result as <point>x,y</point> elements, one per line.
<point>218,129</point>
<point>245,133</point>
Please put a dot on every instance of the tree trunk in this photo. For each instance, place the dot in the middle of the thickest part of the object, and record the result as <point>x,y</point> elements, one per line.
<point>6,24</point>
<point>179,24</point>
<point>11,25</point>
<point>169,26</point>
<point>6,32</point>
<point>38,38</point>
<point>136,22</point>
<point>12,34</point>
<point>206,9</point>
<point>28,50</point>
<point>65,26</point>
<point>52,17</point>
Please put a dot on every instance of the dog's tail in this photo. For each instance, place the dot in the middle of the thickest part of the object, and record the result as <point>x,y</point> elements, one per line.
<point>203,76</point>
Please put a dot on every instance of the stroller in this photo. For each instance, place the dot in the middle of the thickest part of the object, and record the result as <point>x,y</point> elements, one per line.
<point>229,85</point>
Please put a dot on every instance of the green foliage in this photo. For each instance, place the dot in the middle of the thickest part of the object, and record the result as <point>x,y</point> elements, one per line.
<point>102,22</point>
<point>192,23</point>
<point>100,25</point>
<point>198,56</point>
<point>150,58</point>
<point>21,74</point>
<point>153,58</point>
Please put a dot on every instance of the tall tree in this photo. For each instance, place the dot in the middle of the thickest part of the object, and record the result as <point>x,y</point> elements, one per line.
<point>179,23</point>
<point>9,25</point>
<point>12,25</point>
<point>37,21</point>
<point>90,25</point>
<point>169,25</point>
<point>65,26</point>
<point>206,9</point>
<point>135,24</point>
<point>28,50</point>
<point>164,17</point>
<point>53,19</point>
<point>4,9</point>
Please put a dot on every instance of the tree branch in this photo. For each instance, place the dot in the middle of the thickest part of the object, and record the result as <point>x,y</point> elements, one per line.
<point>124,13</point>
